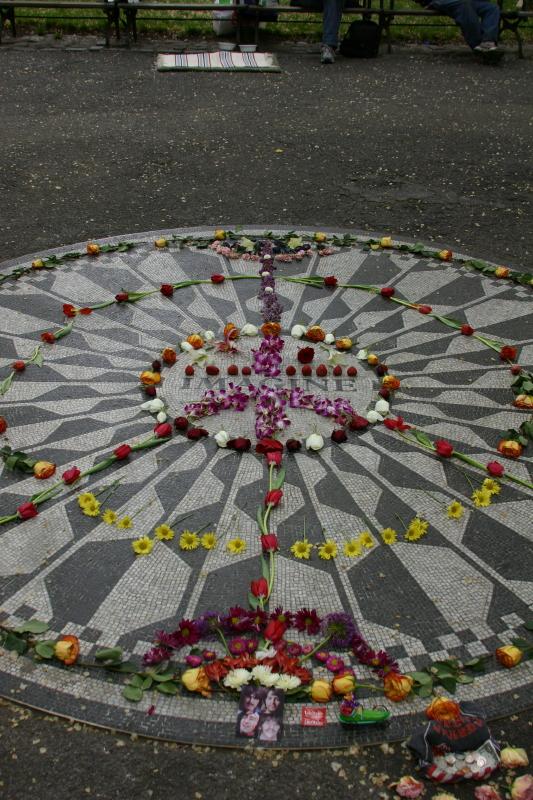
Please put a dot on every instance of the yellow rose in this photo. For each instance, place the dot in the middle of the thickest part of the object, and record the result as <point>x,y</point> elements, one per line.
<point>67,649</point>
<point>344,344</point>
<point>397,687</point>
<point>385,241</point>
<point>513,757</point>
<point>37,264</point>
<point>196,680</point>
<point>195,340</point>
<point>150,378</point>
<point>445,255</point>
<point>443,709</point>
<point>320,237</point>
<point>343,684</point>
<point>321,691</point>
<point>220,234</point>
<point>43,469</point>
<point>501,272</point>
<point>372,359</point>
<point>509,656</point>
<point>524,401</point>
<point>93,249</point>
<point>160,242</point>
<point>509,448</point>
<point>391,382</point>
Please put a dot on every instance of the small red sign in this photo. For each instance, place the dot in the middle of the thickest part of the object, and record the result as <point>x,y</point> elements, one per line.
<point>313,717</point>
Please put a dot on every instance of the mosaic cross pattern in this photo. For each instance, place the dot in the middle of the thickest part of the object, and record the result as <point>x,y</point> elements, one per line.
<point>463,590</point>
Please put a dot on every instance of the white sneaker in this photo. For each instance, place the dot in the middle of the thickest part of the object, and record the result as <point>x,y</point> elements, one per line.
<point>486,47</point>
<point>327,54</point>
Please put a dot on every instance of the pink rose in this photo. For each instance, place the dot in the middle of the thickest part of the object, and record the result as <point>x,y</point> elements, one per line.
<point>522,788</point>
<point>408,786</point>
<point>486,792</point>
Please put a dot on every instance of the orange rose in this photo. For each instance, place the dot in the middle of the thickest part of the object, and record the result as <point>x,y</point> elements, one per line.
<point>509,448</point>
<point>524,401</point>
<point>196,680</point>
<point>315,334</point>
<point>391,382</point>
<point>509,656</point>
<point>37,264</point>
<point>169,356</point>
<point>43,469</point>
<point>372,359</point>
<point>195,340</point>
<point>93,249</point>
<point>343,684</point>
<point>445,255</point>
<point>344,344</point>
<point>443,709</point>
<point>271,329</point>
<point>231,332</point>
<point>150,378</point>
<point>502,272</point>
<point>67,649</point>
<point>321,691</point>
<point>397,687</point>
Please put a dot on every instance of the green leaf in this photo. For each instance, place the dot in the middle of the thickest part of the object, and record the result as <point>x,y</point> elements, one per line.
<point>422,438</point>
<point>132,693</point>
<point>15,643</point>
<point>279,480</point>
<point>529,625</point>
<point>109,654</point>
<point>246,244</point>
<point>6,383</point>
<point>450,684</point>
<point>465,678</point>
<point>36,357</point>
<point>163,677</point>
<point>425,690</point>
<point>125,666</point>
<point>167,688</point>
<point>476,664</point>
<point>136,680</point>
<point>421,677</point>
<point>147,683</point>
<point>451,323</point>
<point>45,649</point>
<point>265,568</point>
<point>519,642</point>
<point>253,602</point>
<point>33,626</point>
<point>259,517</point>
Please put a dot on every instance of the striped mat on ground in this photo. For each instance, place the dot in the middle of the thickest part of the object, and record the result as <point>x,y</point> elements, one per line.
<point>220,60</point>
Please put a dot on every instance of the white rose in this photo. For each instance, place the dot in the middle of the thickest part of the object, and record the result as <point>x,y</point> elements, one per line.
<point>298,331</point>
<point>267,257</point>
<point>249,330</point>
<point>161,417</point>
<point>288,682</point>
<point>362,355</point>
<point>186,346</point>
<point>373,417</point>
<point>329,338</point>
<point>209,336</point>
<point>382,407</point>
<point>314,442</point>
<point>265,274</point>
<point>222,438</point>
<point>153,406</point>
<point>237,678</point>
<point>269,289</point>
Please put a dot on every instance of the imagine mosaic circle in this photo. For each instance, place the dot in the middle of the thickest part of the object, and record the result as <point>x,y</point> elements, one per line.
<point>462,590</point>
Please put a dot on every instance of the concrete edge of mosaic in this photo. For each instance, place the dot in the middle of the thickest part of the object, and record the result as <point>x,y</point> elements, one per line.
<point>19,677</point>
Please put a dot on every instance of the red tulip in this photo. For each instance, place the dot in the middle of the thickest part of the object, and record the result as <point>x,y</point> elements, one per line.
<point>387,291</point>
<point>259,588</point>
<point>71,475</point>
<point>269,542</point>
<point>27,511</point>
<point>217,278</point>
<point>162,430</point>
<point>443,448</point>
<point>495,468</point>
<point>122,451</point>
<point>273,498</point>
<point>268,446</point>
<point>330,281</point>
<point>467,330</point>
<point>274,458</point>
<point>274,630</point>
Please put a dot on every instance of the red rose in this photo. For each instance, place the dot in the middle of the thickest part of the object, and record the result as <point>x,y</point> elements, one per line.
<point>351,372</point>
<point>156,366</point>
<point>467,330</point>
<point>162,430</point>
<point>425,309</point>
<point>48,337</point>
<point>443,448</point>
<point>274,458</point>
<point>259,588</point>
<point>122,297</point>
<point>122,451</point>
<point>387,291</point>
<point>71,475</point>
<point>321,371</point>
<point>265,446</point>
<point>19,366</point>
<point>211,369</point>
<point>189,370</point>
<point>273,498</point>
<point>516,369</point>
<point>384,393</point>
<point>293,445</point>
<point>508,353</point>
<point>246,370</point>
<point>330,281</point>
<point>274,630</point>
<point>167,289</point>
<point>27,511</point>
<point>358,423</point>
<point>233,369</point>
<point>381,370</point>
<point>150,391</point>
<point>240,444</point>
<point>307,371</point>
<point>290,371</point>
<point>217,279</point>
<point>339,436</point>
<point>269,542</point>
<point>396,424</point>
<point>495,468</point>
<point>86,311</point>
<point>337,371</point>
<point>305,355</point>
<point>196,433</point>
<point>3,425</point>
<point>69,310</point>
<point>181,423</point>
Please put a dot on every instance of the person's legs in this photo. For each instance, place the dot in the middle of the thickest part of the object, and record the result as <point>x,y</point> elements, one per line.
<point>331,20</point>
<point>464,13</point>
<point>489,14</point>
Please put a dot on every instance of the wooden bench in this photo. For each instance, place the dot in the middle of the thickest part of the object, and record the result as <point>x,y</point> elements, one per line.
<point>109,9</point>
<point>131,10</point>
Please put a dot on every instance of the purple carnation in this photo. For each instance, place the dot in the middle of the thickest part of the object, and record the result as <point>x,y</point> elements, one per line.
<point>156,656</point>
<point>339,628</point>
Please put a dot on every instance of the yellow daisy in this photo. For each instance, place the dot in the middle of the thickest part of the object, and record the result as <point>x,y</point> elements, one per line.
<point>416,529</point>
<point>91,508</point>
<point>491,486</point>
<point>455,510</point>
<point>389,535</point>
<point>209,540</point>
<point>164,532</point>
<point>125,523</point>
<point>109,517</point>
<point>84,498</point>
<point>236,546</point>
<point>353,548</point>
<point>143,546</point>
<point>366,540</point>
<point>189,540</point>
<point>302,549</point>
<point>481,498</point>
<point>327,550</point>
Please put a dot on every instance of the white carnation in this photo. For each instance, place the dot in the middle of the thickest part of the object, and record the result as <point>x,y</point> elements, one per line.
<point>237,678</point>
<point>287,682</point>
<point>382,407</point>
<point>186,346</point>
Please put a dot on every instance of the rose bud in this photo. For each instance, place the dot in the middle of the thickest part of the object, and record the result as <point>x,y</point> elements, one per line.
<point>516,369</point>
<point>358,423</point>
<point>48,337</point>
<point>321,371</point>
<point>67,649</point>
<point>342,684</point>
<point>514,757</point>
<point>69,310</point>
<point>387,291</point>
<point>122,451</point>
<point>196,433</point>
<point>269,542</point>
<point>495,469</point>
<point>162,430</point>
<point>508,353</point>
<point>293,445</point>
<point>502,272</point>
<point>290,371</point>
<point>19,366</point>
<point>217,279</point>
<point>344,344</point>
<point>339,436</point>
<point>240,444</point>
<point>195,340</point>
<point>71,475</point>
<point>43,469</point>
<point>273,498</point>
<point>259,588</point>
<point>321,691</point>
<point>169,356</point>
<point>381,370</point>
<point>150,391</point>
<point>3,425</point>
<point>233,369</point>
<point>37,264</point>
<point>425,309</point>
<point>305,355</point>
<point>160,242</point>
<point>269,329</point>
<point>466,330</point>
<point>156,365</point>
<point>193,661</point>
<point>196,680</point>
<point>408,786</point>
<point>167,289</point>
<point>351,372</point>
<point>27,511</point>
<point>330,282</point>
<point>384,393</point>
<point>337,371</point>
<point>189,370</point>
<point>522,788</point>
<point>397,687</point>
<point>122,297</point>
<point>211,369</point>
<point>509,656</point>
<point>307,371</point>
<point>181,423</point>
<point>524,401</point>
<point>509,448</point>
<point>93,249</point>
<point>443,448</point>
<point>246,370</point>
<point>385,241</point>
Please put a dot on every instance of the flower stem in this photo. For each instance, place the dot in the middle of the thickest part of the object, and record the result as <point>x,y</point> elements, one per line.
<point>223,640</point>
<point>319,646</point>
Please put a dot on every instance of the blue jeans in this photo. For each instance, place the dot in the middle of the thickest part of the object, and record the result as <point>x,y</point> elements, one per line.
<point>331,21</point>
<point>479,20</point>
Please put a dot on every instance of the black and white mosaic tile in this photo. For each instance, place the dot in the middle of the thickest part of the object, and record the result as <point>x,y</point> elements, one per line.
<point>463,590</point>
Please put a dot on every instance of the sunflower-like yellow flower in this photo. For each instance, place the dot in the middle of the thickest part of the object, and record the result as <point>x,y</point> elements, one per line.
<point>125,523</point>
<point>189,540</point>
<point>109,517</point>
<point>416,529</point>
<point>236,546</point>
<point>353,548</point>
<point>366,540</point>
<point>482,498</point>
<point>91,508</point>
<point>84,498</point>
<point>491,486</point>
<point>328,550</point>
<point>164,532</point>
<point>389,535</point>
<point>143,546</point>
<point>209,540</point>
<point>455,510</point>
<point>302,549</point>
